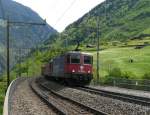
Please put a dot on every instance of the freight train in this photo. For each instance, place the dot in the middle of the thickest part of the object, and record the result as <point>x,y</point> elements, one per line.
<point>72,67</point>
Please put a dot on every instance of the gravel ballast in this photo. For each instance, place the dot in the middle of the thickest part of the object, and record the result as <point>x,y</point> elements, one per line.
<point>105,104</point>
<point>124,91</point>
<point>26,102</point>
<point>65,106</point>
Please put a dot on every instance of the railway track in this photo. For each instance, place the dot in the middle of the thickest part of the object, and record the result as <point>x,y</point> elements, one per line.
<point>61,104</point>
<point>120,96</point>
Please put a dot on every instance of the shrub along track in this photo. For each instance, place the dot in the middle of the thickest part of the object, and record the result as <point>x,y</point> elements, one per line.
<point>120,96</point>
<point>62,104</point>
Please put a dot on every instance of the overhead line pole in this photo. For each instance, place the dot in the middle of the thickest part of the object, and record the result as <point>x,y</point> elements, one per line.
<point>8,39</point>
<point>98,48</point>
<point>19,62</point>
<point>8,59</point>
<point>8,22</point>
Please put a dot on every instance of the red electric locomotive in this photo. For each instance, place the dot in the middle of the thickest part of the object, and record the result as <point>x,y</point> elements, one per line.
<point>72,67</point>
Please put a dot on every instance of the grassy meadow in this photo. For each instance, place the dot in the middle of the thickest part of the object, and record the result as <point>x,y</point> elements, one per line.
<point>120,58</point>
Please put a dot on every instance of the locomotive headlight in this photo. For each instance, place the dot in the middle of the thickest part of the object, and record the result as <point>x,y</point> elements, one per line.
<point>89,71</point>
<point>73,70</point>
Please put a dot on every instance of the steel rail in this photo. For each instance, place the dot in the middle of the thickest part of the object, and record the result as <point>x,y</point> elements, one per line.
<point>45,99</point>
<point>93,110</point>
<point>120,96</point>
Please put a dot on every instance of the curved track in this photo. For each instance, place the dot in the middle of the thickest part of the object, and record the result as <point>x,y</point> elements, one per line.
<point>120,96</point>
<point>59,102</point>
<point>44,97</point>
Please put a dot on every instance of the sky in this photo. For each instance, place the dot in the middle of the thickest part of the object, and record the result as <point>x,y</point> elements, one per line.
<point>60,13</point>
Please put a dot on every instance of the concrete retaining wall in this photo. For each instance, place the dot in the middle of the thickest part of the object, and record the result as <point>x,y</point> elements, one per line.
<point>8,98</point>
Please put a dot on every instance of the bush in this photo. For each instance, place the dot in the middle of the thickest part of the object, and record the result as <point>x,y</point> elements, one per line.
<point>115,72</point>
<point>108,80</point>
<point>126,43</point>
<point>146,43</point>
<point>146,76</point>
<point>104,43</point>
<point>128,74</point>
<point>116,43</point>
<point>117,75</point>
<point>1,78</point>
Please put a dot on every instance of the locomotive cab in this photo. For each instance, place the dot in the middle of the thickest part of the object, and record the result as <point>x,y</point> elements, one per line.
<point>79,66</point>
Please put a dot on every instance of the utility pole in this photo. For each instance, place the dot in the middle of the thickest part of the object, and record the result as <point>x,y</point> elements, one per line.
<point>20,62</point>
<point>8,64</point>
<point>66,41</point>
<point>8,22</point>
<point>98,48</point>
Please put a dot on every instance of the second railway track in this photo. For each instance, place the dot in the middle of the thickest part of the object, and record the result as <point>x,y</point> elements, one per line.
<point>62,104</point>
<point>120,96</point>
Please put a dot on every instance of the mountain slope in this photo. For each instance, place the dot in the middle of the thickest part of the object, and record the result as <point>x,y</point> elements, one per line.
<point>25,35</point>
<point>118,20</point>
<point>21,35</point>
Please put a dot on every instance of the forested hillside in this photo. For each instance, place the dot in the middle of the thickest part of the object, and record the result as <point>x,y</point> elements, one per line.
<point>118,20</point>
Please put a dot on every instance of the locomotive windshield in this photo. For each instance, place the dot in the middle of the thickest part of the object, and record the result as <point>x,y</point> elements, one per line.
<point>68,59</point>
<point>74,59</point>
<point>88,60</point>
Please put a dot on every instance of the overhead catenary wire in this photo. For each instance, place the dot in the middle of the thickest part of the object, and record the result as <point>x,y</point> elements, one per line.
<point>61,17</point>
<point>63,14</point>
